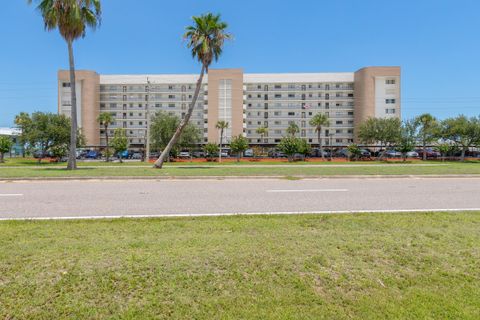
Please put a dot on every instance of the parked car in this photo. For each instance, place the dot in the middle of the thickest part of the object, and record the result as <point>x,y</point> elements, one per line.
<point>123,154</point>
<point>198,154</point>
<point>364,153</point>
<point>41,154</point>
<point>184,155</point>
<point>317,153</point>
<point>391,154</point>
<point>298,157</point>
<point>276,154</point>
<point>137,156</point>
<point>248,153</point>
<point>429,152</point>
<point>92,154</point>
<point>412,154</point>
<point>341,153</point>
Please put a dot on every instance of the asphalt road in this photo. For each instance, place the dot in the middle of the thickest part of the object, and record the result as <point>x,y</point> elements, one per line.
<point>69,199</point>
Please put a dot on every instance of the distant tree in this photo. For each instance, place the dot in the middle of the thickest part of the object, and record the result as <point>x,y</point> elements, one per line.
<point>289,145</point>
<point>406,142</point>
<point>319,121</point>
<point>105,119</point>
<point>71,18</point>
<point>429,130</point>
<point>444,149</point>
<point>221,125</point>
<point>119,142</point>
<point>262,131</point>
<point>211,150</point>
<point>385,132</point>
<point>44,131</point>
<point>293,129</point>
<point>354,151</point>
<point>6,144</point>
<point>463,131</point>
<point>22,120</point>
<point>162,129</point>
<point>205,40</point>
<point>303,147</point>
<point>238,145</point>
<point>81,140</point>
<point>59,151</point>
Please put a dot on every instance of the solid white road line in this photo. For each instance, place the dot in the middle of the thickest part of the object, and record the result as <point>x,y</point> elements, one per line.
<point>179,215</point>
<point>11,195</point>
<point>310,190</point>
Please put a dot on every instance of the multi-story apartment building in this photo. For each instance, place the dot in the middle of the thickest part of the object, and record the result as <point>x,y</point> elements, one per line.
<point>245,101</point>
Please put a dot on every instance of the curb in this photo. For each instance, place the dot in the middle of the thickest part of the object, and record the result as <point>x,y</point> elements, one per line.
<point>296,177</point>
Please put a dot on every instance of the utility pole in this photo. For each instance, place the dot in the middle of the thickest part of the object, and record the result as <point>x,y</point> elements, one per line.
<point>147,115</point>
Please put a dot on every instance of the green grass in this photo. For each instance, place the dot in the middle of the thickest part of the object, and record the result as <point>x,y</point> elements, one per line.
<point>378,266</point>
<point>242,170</point>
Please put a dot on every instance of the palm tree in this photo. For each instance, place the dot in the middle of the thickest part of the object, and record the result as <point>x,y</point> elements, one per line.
<point>71,18</point>
<point>205,39</point>
<point>262,131</point>
<point>221,125</point>
<point>292,129</point>
<point>105,119</point>
<point>318,121</point>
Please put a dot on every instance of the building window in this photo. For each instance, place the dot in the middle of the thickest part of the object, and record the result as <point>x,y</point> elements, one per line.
<point>278,95</point>
<point>291,113</point>
<point>390,111</point>
<point>277,113</point>
<point>339,122</point>
<point>389,101</point>
<point>278,86</point>
<point>390,81</point>
<point>66,84</point>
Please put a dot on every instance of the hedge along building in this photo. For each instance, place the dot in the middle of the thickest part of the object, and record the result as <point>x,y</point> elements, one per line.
<point>246,101</point>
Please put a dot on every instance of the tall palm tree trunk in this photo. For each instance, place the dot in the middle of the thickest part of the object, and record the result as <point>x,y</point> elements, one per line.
<point>72,156</point>
<point>166,152</point>
<point>106,140</point>
<point>221,142</point>
<point>320,143</point>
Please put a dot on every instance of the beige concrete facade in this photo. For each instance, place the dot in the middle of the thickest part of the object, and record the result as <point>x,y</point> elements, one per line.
<point>215,76</point>
<point>369,97</point>
<point>88,84</point>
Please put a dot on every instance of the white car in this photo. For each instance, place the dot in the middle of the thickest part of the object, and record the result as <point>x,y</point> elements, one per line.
<point>184,154</point>
<point>412,154</point>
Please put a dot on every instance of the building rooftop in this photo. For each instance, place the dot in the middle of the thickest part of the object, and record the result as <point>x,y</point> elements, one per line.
<point>247,78</point>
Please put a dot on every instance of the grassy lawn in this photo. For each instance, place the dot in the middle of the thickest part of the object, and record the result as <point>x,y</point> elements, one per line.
<point>244,170</point>
<point>379,266</point>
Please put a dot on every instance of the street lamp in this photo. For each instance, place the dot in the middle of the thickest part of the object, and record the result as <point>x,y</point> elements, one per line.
<point>147,116</point>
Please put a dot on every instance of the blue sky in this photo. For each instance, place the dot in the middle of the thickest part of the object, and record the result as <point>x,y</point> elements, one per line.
<point>436,42</point>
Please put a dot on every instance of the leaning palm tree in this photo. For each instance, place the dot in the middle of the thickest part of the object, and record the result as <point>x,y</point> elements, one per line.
<point>222,126</point>
<point>319,121</point>
<point>205,39</point>
<point>71,17</point>
<point>105,119</point>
